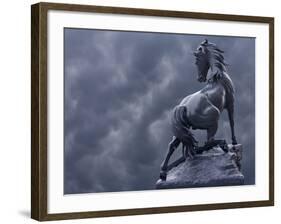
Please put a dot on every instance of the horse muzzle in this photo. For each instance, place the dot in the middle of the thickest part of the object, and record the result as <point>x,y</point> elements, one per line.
<point>202,79</point>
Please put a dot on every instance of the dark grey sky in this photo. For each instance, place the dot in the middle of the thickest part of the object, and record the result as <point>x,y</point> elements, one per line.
<point>119,90</point>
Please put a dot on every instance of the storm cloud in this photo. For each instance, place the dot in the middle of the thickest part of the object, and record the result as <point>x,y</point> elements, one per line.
<point>120,88</point>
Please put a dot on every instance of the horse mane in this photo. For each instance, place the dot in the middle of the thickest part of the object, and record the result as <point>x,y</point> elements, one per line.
<point>217,62</point>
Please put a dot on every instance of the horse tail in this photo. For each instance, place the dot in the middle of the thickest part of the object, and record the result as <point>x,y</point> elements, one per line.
<point>181,126</point>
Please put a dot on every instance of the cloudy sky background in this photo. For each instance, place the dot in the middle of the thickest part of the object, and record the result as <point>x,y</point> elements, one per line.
<point>119,90</point>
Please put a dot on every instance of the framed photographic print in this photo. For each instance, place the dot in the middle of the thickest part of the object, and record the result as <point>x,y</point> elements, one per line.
<point>140,111</point>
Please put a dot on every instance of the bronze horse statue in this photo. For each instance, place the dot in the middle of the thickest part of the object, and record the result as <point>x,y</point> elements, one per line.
<point>202,109</point>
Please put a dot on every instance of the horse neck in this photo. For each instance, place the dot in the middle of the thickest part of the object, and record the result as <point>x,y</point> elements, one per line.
<point>222,78</point>
<point>227,83</point>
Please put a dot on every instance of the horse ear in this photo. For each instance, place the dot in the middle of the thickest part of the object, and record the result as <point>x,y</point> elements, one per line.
<point>205,42</point>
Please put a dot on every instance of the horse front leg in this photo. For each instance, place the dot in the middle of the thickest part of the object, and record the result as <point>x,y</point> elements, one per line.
<point>164,166</point>
<point>230,110</point>
<point>211,132</point>
<point>211,142</point>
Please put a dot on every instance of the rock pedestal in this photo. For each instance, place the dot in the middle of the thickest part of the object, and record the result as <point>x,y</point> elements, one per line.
<point>211,168</point>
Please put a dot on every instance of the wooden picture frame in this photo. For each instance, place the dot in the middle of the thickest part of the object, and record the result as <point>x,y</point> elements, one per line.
<point>39,110</point>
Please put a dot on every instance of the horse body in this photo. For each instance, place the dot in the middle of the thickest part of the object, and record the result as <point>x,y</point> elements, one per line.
<point>202,109</point>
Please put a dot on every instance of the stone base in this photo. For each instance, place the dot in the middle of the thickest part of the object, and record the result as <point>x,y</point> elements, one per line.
<point>212,168</point>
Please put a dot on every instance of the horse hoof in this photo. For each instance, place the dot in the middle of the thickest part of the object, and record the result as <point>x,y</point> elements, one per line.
<point>163,175</point>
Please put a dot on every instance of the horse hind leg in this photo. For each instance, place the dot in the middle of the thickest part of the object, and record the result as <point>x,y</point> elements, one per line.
<point>171,148</point>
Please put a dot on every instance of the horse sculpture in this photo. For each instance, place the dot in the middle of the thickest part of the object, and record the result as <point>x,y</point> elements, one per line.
<point>202,109</point>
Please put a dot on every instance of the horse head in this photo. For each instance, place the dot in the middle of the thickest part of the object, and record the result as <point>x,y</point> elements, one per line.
<point>208,56</point>
<point>202,61</point>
